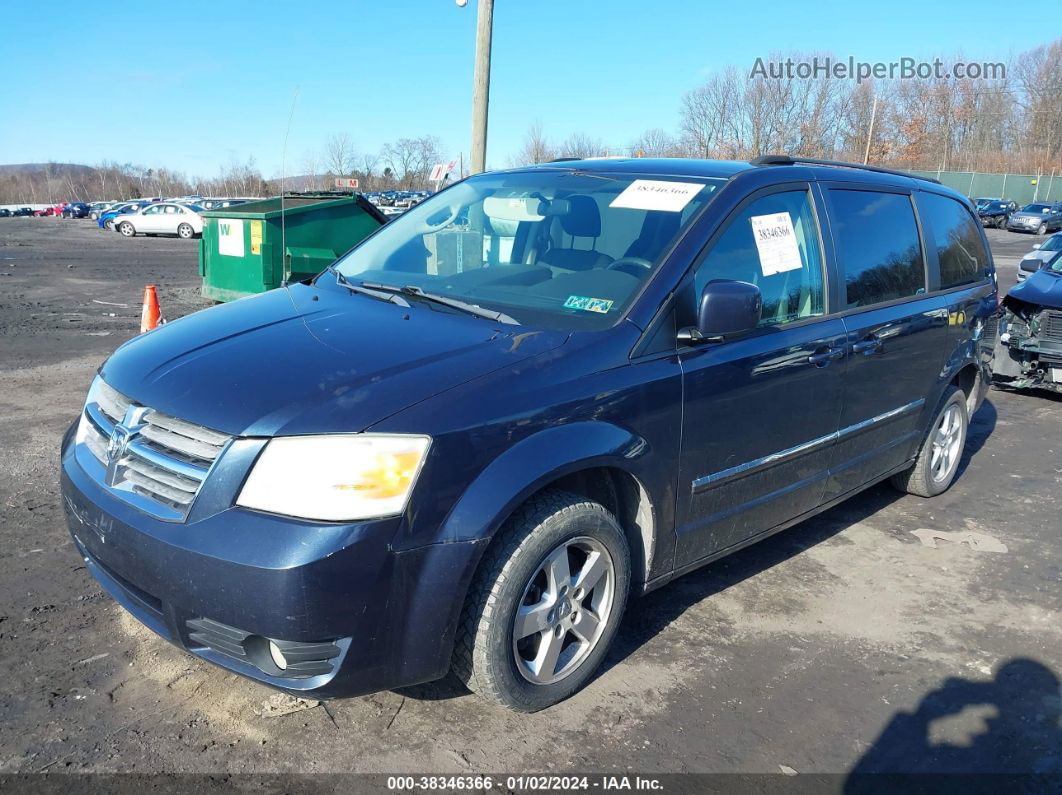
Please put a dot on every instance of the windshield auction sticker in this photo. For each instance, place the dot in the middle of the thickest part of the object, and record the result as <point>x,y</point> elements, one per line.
<point>653,194</point>
<point>776,243</point>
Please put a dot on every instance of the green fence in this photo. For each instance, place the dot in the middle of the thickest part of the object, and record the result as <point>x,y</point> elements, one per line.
<point>1022,188</point>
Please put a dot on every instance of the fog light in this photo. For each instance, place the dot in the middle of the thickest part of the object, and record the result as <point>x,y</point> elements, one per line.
<point>278,656</point>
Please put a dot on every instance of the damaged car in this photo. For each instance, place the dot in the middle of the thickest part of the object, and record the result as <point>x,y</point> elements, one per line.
<point>1029,347</point>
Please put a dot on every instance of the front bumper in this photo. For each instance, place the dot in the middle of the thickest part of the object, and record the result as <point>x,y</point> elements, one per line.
<point>388,617</point>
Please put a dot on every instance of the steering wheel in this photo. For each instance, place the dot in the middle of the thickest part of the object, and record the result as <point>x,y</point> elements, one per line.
<point>633,266</point>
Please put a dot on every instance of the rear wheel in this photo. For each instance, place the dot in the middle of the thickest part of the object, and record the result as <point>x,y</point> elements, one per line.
<point>127,229</point>
<point>545,604</point>
<point>185,231</point>
<point>938,459</point>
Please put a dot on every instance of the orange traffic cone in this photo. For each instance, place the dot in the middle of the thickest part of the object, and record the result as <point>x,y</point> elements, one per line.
<point>149,318</point>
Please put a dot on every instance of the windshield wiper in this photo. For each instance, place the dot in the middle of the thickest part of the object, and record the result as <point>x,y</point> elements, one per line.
<point>442,300</point>
<point>379,295</point>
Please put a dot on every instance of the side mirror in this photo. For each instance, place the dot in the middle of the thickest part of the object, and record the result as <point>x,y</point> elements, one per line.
<point>1036,246</point>
<point>726,308</point>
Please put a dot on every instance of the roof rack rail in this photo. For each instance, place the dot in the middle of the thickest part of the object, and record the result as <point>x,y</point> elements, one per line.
<point>565,159</point>
<point>787,160</point>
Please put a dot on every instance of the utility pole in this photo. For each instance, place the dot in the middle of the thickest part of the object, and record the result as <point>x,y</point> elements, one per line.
<point>481,85</point>
<point>870,132</point>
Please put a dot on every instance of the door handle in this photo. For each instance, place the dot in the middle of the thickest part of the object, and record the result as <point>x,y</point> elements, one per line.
<point>869,346</point>
<point>824,357</point>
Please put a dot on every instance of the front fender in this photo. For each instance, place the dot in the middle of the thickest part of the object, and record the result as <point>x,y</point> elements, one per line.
<point>530,464</point>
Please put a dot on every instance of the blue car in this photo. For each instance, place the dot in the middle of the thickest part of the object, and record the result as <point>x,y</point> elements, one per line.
<point>106,219</point>
<point>532,397</point>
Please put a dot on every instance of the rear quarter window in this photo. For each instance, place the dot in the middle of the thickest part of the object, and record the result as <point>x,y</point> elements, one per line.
<point>954,234</point>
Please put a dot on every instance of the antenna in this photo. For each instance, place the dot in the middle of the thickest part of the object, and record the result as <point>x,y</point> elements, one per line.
<point>283,190</point>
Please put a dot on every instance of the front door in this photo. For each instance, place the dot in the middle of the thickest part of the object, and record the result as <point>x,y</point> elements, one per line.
<point>760,413</point>
<point>897,334</point>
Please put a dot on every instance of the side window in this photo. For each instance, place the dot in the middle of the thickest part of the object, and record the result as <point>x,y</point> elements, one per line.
<point>773,242</point>
<point>152,210</point>
<point>962,256</point>
<point>878,247</point>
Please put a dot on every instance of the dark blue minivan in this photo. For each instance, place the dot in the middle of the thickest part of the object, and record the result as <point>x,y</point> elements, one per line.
<point>535,395</point>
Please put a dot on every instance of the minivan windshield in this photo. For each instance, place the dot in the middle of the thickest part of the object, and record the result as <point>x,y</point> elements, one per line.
<point>558,248</point>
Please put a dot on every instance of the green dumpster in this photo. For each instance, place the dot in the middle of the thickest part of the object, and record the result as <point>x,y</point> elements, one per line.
<point>247,249</point>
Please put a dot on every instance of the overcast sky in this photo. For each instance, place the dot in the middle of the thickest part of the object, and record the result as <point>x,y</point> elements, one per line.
<point>192,85</point>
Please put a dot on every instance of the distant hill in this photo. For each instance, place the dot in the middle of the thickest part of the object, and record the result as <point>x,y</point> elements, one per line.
<point>60,170</point>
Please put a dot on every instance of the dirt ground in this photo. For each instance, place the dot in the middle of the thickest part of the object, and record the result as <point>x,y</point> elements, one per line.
<point>891,632</point>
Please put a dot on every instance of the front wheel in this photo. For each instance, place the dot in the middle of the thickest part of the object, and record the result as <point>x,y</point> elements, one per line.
<point>127,229</point>
<point>938,459</point>
<point>545,604</point>
<point>1041,229</point>
<point>1002,222</point>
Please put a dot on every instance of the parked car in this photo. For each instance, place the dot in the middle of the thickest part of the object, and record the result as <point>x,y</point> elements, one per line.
<point>1029,352</point>
<point>995,213</point>
<point>108,219</point>
<point>219,204</point>
<point>22,212</point>
<point>55,209</point>
<point>4,212</point>
<point>1043,255</point>
<point>1038,217</point>
<point>162,218</point>
<point>985,200</point>
<point>76,210</point>
<point>536,394</point>
<point>96,209</point>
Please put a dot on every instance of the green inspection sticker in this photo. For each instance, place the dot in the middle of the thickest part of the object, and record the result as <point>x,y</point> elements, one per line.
<point>599,305</point>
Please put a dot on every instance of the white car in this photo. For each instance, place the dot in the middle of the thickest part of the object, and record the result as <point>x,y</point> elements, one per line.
<point>163,218</point>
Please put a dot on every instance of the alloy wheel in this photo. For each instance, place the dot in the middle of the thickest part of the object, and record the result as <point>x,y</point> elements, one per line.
<point>947,441</point>
<point>564,610</point>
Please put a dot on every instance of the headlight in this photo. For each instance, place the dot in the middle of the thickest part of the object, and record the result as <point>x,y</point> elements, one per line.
<point>335,478</point>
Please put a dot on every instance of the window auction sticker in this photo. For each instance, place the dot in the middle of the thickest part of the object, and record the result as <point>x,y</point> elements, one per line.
<point>652,194</point>
<point>776,243</point>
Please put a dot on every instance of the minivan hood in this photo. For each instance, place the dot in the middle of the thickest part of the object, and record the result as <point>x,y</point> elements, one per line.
<point>1043,288</point>
<point>305,359</point>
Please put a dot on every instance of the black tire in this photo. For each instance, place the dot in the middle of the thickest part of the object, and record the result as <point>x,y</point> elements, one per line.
<point>925,478</point>
<point>109,224</point>
<point>486,653</point>
<point>1041,229</point>
<point>127,229</point>
<point>1002,222</point>
<point>185,232</point>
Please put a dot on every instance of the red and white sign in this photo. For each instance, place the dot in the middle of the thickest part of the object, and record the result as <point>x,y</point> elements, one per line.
<point>347,182</point>
<point>437,172</point>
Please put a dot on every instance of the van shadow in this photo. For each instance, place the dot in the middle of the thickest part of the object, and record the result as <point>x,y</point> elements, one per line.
<point>652,614</point>
<point>1009,725</point>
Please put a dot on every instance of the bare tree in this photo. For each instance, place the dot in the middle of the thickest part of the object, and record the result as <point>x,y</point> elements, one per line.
<point>339,155</point>
<point>410,159</point>
<point>536,147</point>
<point>581,145</point>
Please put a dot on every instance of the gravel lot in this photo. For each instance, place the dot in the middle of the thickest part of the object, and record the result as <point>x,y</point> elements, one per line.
<point>846,641</point>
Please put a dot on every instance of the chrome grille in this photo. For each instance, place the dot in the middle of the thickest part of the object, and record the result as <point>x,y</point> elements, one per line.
<point>150,459</point>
